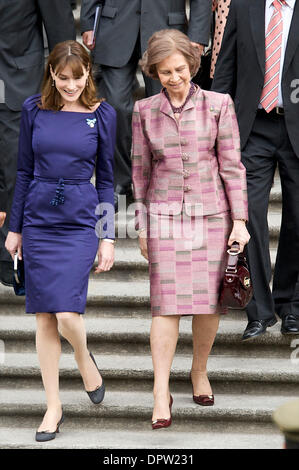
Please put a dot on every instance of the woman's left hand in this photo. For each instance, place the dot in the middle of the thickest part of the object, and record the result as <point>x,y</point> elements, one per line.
<point>239,234</point>
<point>105,257</point>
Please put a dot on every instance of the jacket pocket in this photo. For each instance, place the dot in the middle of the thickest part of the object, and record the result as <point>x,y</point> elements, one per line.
<point>176,18</point>
<point>109,12</point>
<point>29,60</point>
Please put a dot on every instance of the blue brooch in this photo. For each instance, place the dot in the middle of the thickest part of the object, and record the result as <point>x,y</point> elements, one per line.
<point>91,122</point>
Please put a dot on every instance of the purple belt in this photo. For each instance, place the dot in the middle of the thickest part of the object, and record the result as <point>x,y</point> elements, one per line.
<point>59,194</point>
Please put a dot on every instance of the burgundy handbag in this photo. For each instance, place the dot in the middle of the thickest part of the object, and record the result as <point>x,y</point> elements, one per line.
<point>236,289</point>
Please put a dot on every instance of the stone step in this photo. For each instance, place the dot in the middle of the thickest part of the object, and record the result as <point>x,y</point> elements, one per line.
<point>131,264</point>
<point>79,436</point>
<point>122,371</point>
<point>109,335</point>
<point>106,297</point>
<point>112,289</point>
<point>16,306</point>
<point>138,406</point>
<point>124,224</point>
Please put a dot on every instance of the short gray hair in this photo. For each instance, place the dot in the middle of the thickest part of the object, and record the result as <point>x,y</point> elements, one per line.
<point>164,43</point>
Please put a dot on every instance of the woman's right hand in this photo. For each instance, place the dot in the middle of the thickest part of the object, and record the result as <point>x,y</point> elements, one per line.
<point>13,244</point>
<point>142,238</point>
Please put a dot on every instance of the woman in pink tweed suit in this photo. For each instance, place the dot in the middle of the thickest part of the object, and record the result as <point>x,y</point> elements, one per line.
<point>190,192</point>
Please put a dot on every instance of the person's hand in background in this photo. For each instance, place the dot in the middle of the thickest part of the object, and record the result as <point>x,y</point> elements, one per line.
<point>2,218</point>
<point>200,47</point>
<point>87,40</point>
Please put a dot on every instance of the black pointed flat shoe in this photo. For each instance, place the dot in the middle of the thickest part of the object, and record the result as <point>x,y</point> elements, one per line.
<point>44,436</point>
<point>97,395</point>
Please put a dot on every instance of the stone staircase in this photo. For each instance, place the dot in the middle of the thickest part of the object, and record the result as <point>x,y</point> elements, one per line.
<point>249,379</point>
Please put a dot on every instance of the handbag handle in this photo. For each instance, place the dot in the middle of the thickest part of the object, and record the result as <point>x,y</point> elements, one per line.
<point>232,261</point>
<point>234,249</point>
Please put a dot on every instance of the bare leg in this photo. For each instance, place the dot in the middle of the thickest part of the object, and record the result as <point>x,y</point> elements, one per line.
<point>204,329</point>
<point>49,349</point>
<point>163,338</point>
<point>72,328</point>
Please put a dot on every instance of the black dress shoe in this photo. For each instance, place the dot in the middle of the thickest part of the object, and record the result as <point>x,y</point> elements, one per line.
<point>6,273</point>
<point>97,395</point>
<point>290,325</point>
<point>257,328</point>
<point>44,436</point>
<point>122,191</point>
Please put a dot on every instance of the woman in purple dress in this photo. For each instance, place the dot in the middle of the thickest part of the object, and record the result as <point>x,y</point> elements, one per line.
<point>66,133</point>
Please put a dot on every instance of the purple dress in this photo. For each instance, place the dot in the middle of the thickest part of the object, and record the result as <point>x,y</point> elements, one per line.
<point>56,207</point>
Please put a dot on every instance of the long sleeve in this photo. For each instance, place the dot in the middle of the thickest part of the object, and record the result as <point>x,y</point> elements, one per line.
<point>25,164</point>
<point>58,19</point>
<point>199,28</point>
<point>87,15</point>
<point>226,65</point>
<point>231,170</point>
<point>141,167</point>
<point>106,117</point>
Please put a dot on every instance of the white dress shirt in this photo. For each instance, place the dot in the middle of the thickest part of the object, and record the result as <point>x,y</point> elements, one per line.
<point>287,14</point>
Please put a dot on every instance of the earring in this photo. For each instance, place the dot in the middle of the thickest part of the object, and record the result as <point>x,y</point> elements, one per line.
<point>53,83</point>
<point>87,82</point>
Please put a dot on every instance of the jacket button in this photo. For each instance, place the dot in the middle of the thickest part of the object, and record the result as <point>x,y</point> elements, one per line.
<point>187,188</point>
<point>184,142</point>
<point>186,174</point>
<point>185,157</point>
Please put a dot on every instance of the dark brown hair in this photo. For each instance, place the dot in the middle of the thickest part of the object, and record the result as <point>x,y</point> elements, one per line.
<point>73,54</point>
<point>164,43</point>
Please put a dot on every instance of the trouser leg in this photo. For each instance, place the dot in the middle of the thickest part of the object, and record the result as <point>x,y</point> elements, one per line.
<point>152,87</point>
<point>260,162</point>
<point>285,280</point>
<point>116,85</point>
<point>9,136</point>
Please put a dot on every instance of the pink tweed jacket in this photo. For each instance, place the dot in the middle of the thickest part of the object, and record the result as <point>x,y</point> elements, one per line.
<point>195,160</point>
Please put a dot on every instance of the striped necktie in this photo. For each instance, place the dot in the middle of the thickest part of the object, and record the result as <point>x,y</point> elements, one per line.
<point>269,97</point>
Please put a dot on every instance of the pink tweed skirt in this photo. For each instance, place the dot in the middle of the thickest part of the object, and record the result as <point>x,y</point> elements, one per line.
<point>187,262</point>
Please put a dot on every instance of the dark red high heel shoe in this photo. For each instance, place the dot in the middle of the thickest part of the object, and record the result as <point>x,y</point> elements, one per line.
<point>203,400</point>
<point>163,423</point>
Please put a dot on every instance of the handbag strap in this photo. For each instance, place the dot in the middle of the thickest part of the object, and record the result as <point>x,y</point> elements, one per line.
<point>233,257</point>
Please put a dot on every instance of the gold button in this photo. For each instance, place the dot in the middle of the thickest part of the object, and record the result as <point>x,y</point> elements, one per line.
<point>185,157</point>
<point>187,188</point>
<point>186,174</point>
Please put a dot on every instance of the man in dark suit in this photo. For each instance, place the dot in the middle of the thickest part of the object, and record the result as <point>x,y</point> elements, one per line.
<point>21,71</point>
<point>124,29</point>
<point>258,66</point>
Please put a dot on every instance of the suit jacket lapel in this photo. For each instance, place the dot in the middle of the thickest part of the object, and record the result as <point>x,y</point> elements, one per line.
<point>293,39</point>
<point>165,105</point>
<point>257,22</point>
